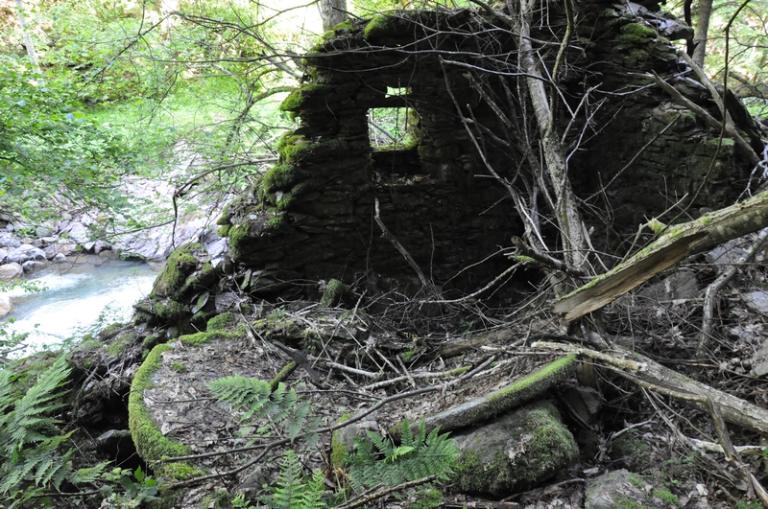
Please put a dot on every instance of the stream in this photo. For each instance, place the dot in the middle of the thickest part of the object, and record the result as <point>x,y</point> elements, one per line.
<point>76,297</point>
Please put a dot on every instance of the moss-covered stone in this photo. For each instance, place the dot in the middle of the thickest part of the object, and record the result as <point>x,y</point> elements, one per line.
<point>200,338</point>
<point>121,342</point>
<point>300,96</point>
<point>379,28</point>
<point>519,450</point>
<point>179,266</point>
<point>221,322</point>
<point>334,293</point>
<point>340,446</point>
<point>280,177</point>
<point>636,33</point>
<point>151,444</point>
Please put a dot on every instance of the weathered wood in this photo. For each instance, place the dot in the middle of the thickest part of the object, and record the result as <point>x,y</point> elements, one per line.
<point>673,245</point>
<point>652,375</point>
<point>517,393</point>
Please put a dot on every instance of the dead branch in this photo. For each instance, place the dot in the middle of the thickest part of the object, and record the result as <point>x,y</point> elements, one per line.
<point>727,127</point>
<point>652,375</point>
<point>673,245</point>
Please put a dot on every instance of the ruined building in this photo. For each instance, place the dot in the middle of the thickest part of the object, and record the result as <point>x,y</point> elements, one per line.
<point>347,202</point>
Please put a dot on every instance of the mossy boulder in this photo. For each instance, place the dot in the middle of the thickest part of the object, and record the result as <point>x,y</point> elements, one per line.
<point>333,293</point>
<point>636,33</point>
<point>151,444</point>
<point>180,265</point>
<point>517,451</point>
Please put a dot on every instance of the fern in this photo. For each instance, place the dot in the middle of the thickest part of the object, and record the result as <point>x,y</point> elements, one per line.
<point>378,461</point>
<point>279,411</point>
<point>293,490</point>
<point>34,453</point>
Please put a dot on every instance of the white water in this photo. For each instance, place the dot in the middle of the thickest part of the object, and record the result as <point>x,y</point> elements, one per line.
<point>77,297</point>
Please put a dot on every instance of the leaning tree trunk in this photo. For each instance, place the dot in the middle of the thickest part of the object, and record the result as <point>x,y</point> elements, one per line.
<point>333,12</point>
<point>29,45</point>
<point>702,30</point>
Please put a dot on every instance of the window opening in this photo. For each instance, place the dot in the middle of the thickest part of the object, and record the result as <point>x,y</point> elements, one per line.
<point>392,128</point>
<point>397,91</point>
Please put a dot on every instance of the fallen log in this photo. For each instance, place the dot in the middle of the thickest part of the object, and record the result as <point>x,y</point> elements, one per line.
<point>652,375</point>
<point>674,244</point>
<point>519,392</point>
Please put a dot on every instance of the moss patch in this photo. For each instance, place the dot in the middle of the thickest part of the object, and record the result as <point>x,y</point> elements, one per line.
<point>201,338</point>
<point>334,293</point>
<point>636,33</point>
<point>150,442</point>
<point>221,322</point>
<point>280,177</point>
<point>339,451</point>
<point>180,265</point>
<point>379,28</point>
<point>489,464</point>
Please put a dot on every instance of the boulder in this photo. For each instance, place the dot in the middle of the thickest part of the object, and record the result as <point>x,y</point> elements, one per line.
<point>5,305</point>
<point>78,232</point>
<point>757,301</point>
<point>100,246</point>
<point>32,265</point>
<point>8,239</point>
<point>760,361</point>
<point>24,253</point>
<point>60,248</point>
<point>10,271</point>
<point>517,451</point>
<point>618,488</point>
<point>59,257</point>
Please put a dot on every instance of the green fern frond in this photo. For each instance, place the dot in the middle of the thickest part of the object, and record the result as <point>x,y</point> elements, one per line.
<point>378,461</point>
<point>293,490</point>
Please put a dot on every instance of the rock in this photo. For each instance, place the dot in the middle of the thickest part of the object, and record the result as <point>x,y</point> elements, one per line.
<point>517,451</point>
<point>5,305</point>
<point>43,231</point>
<point>10,271</point>
<point>78,232</point>
<point>100,246</point>
<point>32,265</point>
<point>60,248</point>
<point>8,239</point>
<point>760,361</point>
<point>24,253</point>
<point>679,285</point>
<point>48,241</point>
<point>59,257</point>
<point>757,301</point>
<point>116,444</point>
<point>618,488</point>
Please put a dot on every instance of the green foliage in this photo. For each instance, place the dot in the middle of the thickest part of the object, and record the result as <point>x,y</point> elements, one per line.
<point>47,145</point>
<point>136,489</point>
<point>262,410</point>
<point>35,453</point>
<point>379,461</point>
<point>293,490</point>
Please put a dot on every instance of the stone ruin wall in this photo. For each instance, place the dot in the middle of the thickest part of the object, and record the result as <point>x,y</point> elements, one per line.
<point>312,215</point>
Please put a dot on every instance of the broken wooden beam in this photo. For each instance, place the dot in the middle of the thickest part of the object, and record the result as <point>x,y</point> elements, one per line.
<point>674,244</point>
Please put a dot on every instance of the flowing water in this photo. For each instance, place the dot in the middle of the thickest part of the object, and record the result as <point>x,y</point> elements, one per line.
<point>77,297</point>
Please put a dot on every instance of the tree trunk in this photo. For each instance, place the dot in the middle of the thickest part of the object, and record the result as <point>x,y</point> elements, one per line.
<point>333,12</point>
<point>29,45</point>
<point>701,31</point>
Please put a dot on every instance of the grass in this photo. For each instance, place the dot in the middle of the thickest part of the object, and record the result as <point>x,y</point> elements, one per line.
<point>198,110</point>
